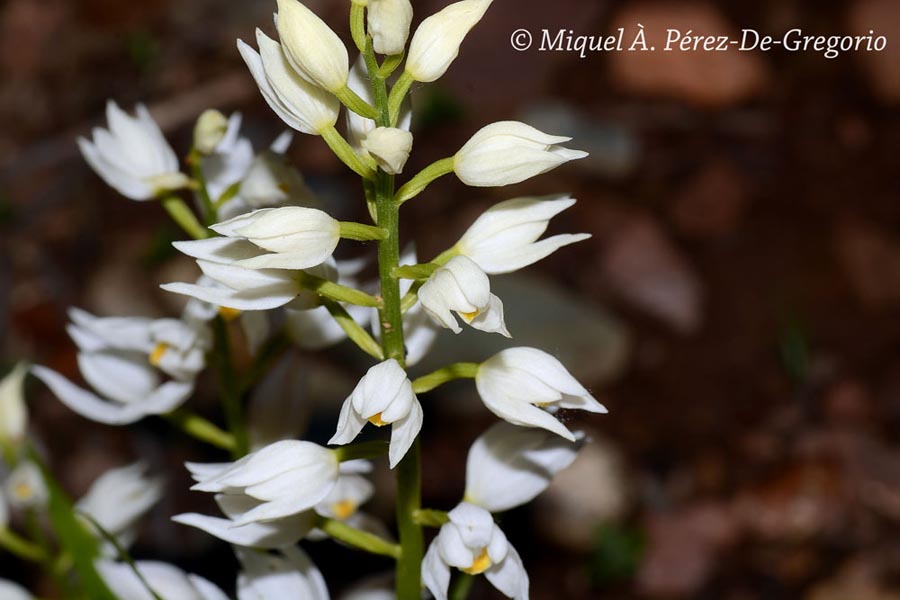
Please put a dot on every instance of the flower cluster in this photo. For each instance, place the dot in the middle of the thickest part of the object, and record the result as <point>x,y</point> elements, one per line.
<point>265,249</point>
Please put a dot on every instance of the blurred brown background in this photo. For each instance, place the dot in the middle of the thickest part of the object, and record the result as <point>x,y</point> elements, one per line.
<point>737,310</point>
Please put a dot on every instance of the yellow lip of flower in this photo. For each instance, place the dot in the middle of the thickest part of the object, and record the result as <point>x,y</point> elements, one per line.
<point>344,509</point>
<point>481,564</point>
<point>229,314</point>
<point>23,491</point>
<point>376,420</point>
<point>470,316</point>
<point>157,354</point>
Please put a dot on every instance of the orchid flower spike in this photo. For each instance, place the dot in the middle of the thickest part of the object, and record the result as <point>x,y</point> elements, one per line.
<point>166,581</point>
<point>509,466</point>
<point>132,156</point>
<point>510,152</point>
<point>383,396</point>
<point>435,44</point>
<point>461,287</point>
<point>505,237</point>
<point>280,480</point>
<point>516,384</point>
<point>472,543</point>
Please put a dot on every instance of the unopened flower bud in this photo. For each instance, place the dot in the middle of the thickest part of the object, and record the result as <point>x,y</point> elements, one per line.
<point>437,40</point>
<point>389,22</point>
<point>209,131</point>
<point>314,50</point>
<point>390,147</point>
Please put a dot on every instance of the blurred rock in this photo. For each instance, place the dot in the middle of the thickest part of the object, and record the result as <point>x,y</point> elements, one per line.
<point>683,549</point>
<point>614,149</point>
<point>713,79</point>
<point>858,580</point>
<point>871,261</point>
<point>646,269</point>
<point>882,68</point>
<point>712,202</point>
<point>594,489</point>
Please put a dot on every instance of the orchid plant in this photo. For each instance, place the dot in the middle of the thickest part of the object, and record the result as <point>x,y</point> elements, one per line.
<point>264,243</point>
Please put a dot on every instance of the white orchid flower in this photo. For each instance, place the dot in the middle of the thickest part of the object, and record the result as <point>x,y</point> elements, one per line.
<point>302,105</point>
<point>285,478</point>
<point>277,533</point>
<point>13,411</point>
<point>315,51</point>
<point>25,487</point>
<point>505,237</point>
<point>124,360</point>
<point>132,156</point>
<point>509,466</point>
<point>10,590</point>
<point>462,287</point>
<point>351,491</point>
<point>390,147</point>
<point>515,383</point>
<point>510,152</point>
<point>389,22</point>
<point>166,581</point>
<point>472,543</point>
<point>435,44</point>
<point>383,396</point>
<point>288,574</point>
<point>119,498</point>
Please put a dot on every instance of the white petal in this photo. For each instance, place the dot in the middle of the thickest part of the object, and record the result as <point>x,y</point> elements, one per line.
<point>274,534</point>
<point>435,572</point>
<point>509,576</point>
<point>404,432</point>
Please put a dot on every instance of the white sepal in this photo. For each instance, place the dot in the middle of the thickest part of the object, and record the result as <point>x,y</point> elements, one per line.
<point>166,581</point>
<point>515,382</point>
<point>300,104</point>
<point>436,42</point>
<point>312,48</point>
<point>120,497</point>
<point>10,590</point>
<point>389,22</point>
<point>509,152</point>
<point>505,237</point>
<point>509,466</point>
<point>288,574</point>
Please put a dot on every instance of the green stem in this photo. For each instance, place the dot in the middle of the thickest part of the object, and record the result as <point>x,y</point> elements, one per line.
<point>415,272</point>
<point>411,297</point>
<point>431,518</point>
<point>361,232</point>
<point>389,65</point>
<point>354,331</point>
<point>185,218</point>
<point>195,160</point>
<point>426,383</point>
<point>336,291</point>
<point>462,584</point>
<point>359,539</point>
<point>201,429</point>
<point>358,25</point>
<point>351,100</point>
<point>423,178</point>
<point>409,476</point>
<point>365,450</point>
<point>345,152</point>
<point>16,544</point>
<point>229,389</point>
<point>398,94</point>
